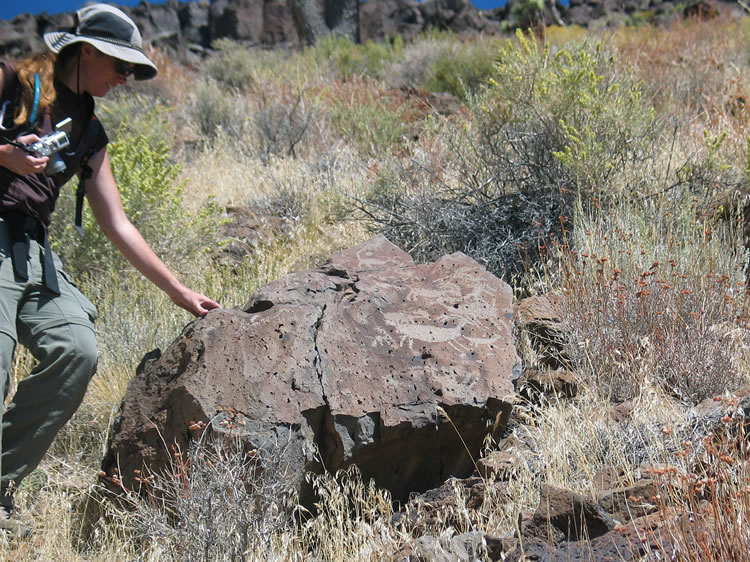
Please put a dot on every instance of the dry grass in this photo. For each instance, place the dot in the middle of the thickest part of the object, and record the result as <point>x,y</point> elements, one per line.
<point>707,483</point>
<point>657,298</point>
<point>696,69</point>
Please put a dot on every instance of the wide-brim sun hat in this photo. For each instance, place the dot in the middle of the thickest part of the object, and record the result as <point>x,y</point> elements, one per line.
<point>109,30</point>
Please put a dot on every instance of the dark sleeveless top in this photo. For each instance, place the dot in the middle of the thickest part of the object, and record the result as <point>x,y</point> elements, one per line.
<point>35,195</point>
<point>27,202</point>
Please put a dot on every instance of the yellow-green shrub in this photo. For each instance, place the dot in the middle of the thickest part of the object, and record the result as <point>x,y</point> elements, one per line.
<point>152,198</point>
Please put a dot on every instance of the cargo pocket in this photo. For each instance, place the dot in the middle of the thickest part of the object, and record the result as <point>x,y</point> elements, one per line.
<point>70,290</point>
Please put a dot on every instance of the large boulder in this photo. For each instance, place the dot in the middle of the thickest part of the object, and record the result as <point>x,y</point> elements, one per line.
<point>401,369</point>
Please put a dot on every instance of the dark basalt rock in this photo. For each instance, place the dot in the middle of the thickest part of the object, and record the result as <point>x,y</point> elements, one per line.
<point>370,360</point>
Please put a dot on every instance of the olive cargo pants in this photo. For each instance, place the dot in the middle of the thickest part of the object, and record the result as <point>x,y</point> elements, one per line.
<point>59,332</point>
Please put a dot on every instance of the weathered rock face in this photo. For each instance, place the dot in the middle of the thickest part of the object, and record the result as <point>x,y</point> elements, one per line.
<point>24,34</point>
<point>184,27</point>
<point>356,358</point>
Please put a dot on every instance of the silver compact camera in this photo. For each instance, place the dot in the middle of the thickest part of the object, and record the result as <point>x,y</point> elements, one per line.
<point>52,143</point>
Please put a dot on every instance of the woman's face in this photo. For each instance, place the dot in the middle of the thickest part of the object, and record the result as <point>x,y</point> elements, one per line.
<point>100,73</point>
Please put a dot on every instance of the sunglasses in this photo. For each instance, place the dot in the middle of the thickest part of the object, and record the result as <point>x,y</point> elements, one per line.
<point>124,68</point>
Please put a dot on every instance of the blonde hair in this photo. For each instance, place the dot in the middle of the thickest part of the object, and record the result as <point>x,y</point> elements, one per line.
<point>47,66</point>
<point>42,65</point>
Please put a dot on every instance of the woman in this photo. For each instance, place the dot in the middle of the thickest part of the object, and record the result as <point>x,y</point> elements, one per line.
<point>39,306</point>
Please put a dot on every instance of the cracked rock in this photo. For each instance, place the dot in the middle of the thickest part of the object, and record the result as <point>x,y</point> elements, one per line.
<point>354,360</point>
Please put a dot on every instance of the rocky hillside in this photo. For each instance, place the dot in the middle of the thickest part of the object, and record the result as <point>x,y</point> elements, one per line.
<point>187,29</point>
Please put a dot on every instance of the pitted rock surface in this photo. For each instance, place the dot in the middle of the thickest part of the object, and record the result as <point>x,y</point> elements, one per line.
<point>369,358</point>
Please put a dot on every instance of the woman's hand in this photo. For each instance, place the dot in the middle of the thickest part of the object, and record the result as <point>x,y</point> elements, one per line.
<point>20,162</point>
<point>193,302</point>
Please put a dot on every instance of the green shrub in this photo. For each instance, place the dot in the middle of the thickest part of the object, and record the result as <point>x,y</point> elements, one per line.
<point>137,113</point>
<point>152,198</point>
<point>550,127</point>
<point>711,177</point>
<point>376,124</point>
<point>550,130</point>
<point>232,64</point>
<point>594,117</point>
<point>415,63</point>
<point>351,60</point>
<point>642,17</point>
<point>462,70</point>
<point>216,111</point>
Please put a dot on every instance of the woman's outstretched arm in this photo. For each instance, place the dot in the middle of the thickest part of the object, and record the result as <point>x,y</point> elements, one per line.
<point>105,202</point>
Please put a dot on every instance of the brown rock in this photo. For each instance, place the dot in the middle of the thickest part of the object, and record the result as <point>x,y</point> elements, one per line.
<point>395,367</point>
<point>630,502</point>
<point>642,539</point>
<point>623,412</point>
<point>548,386</point>
<point>390,18</point>
<point>544,309</point>
<point>564,516</point>
<point>609,477</point>
<point>466,547</point>
<point>540,319</point>
<point>434,510</point>
<point>721,415</point>
<point>499,465</point>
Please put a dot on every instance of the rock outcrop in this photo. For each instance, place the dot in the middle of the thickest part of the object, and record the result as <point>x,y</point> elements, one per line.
<point>401,369</point>
<point>186,28</point>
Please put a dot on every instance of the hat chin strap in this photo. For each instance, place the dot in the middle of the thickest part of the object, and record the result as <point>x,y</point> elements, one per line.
<point>78,72</point>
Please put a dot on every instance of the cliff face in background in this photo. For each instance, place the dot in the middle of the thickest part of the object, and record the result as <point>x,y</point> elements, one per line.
<point>187,29</point>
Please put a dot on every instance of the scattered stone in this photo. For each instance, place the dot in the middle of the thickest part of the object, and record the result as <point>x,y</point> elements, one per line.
<point>499,465</point>
<point>547,387</point>
<point>714,415</point>
<point>434,510</point>
<point>564,516</point>
<point>539,320</point>
<point>631,502</point>
<point>466,547</point>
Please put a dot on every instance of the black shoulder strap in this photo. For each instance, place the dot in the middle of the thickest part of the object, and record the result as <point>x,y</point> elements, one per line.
<point>86,173</point>
<point>88,138</point>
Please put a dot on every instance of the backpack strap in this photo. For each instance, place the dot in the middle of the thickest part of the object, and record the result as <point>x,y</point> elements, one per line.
<point>12,102</point>
<point>86,173</point>
<point>87,140</point>
<point>22,228</point>
<point>10,97</point>
<point>35,106</point>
